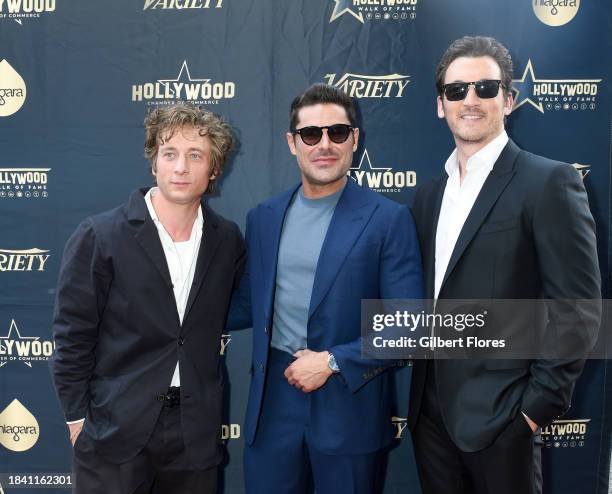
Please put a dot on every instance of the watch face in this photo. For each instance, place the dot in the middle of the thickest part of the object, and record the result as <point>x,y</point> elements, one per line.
<point>331,362</point>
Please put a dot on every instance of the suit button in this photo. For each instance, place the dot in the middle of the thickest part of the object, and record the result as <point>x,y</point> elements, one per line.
<point>266,330</point>
<point>160,397</point>
<point>261,367</point>
<point>181,341</point>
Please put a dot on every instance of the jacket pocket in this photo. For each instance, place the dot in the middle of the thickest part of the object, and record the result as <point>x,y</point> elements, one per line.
<point>500,226</point>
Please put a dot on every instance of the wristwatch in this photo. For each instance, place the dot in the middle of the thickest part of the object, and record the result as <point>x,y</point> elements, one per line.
<point>331,363</point>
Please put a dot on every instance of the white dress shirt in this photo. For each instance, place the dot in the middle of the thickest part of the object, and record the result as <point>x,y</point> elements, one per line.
<point>181,258</point>
<point>459,198</point>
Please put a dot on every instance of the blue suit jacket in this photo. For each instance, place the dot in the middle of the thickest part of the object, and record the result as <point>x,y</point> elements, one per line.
<point>370,251</point>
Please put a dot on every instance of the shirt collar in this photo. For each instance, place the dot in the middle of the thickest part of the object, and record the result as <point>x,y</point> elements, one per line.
<point>482,160</point>
<point>197,225</point>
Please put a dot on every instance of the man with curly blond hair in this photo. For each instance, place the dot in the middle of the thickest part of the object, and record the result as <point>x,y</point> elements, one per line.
<point>142,300</point>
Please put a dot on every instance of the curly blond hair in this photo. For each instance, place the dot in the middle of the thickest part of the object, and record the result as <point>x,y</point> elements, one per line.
<point>162,123</point>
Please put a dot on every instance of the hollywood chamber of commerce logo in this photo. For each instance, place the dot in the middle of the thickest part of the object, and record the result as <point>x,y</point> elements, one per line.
<point>230,431</point>
<point>23,183</point>
<point>375,10</point>
<point>555,12</point>
<point>370,86</point>
<point>381,179</point>
<point>19,429</point>
<point>554,94</point>
<point>182,4</point>
<point>15,348</point>
<point>12,90</point>
<point>566,433</point>
<point>18,10</point>
<point>183,87</point>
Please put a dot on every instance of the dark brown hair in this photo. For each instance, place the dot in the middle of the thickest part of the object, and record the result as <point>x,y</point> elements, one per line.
<point>477,46</point>
<point>322,93</point>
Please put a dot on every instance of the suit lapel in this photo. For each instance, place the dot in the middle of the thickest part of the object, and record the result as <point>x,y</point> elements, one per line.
<point>271,226</point>
<point>208,247</point>
<point>430,250</point>
<point>146,234</point>
<point>349,219</point>
<point>494,185</point>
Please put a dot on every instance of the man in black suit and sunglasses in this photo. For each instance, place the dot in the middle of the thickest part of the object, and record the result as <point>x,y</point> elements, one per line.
<point>501,223</point>
<point>318,412</point>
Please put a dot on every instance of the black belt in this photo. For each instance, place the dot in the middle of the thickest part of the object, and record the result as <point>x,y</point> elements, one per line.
<point>172,398</point>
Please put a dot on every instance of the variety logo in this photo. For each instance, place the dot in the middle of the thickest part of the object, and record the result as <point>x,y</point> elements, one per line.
<point>555,12</point>
<point>12,90</point>
<point>557,94</point>
<point>182,4</point>
<point>24,182</point>
<point>584,170</point>
<point>225,340</point>
<point>23,260</point>
<point>377,10</point>
<point>24,349</point>
<point>565,433</point>
<point>370,86</point>
<point>25,9</point>
<point>230,431</point>
<point>400,424</point>
<point>185,88</point>
<point>381,179</point>
<point>19,429</point>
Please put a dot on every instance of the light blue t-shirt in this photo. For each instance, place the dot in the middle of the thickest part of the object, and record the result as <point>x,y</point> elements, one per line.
<point>304,230</point>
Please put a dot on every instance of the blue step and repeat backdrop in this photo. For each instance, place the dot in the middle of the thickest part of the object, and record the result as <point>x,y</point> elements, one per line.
<point>76,78</point>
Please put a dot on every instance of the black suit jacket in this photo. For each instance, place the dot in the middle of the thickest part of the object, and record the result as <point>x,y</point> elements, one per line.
<point>529,235</point>
<point>118,335</point>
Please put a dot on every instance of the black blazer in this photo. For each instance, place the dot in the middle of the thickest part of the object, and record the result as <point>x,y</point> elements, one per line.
<point>529,235</point>
<point>118,335</point>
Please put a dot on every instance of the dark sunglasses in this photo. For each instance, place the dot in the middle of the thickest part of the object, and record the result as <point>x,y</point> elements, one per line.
<point>485,89</point>
<point>337,133</point>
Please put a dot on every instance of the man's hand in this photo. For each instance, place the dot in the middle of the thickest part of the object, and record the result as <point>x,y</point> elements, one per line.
<point>75,429</point>
<point>310,371</point>
<point>531,423</point>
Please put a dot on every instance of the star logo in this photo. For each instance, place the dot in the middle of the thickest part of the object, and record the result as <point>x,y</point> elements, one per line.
<point>342,7</point>
<point>365,157</point>
<point>183,76</point>
<point>7,338</point>
<point>523,88</point>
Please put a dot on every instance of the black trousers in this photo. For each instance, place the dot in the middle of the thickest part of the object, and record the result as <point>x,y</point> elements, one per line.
<point>162,467</point>
<point>511,465</point>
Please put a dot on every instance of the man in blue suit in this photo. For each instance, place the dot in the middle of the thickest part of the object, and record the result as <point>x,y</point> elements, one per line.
<point>318,412</point>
